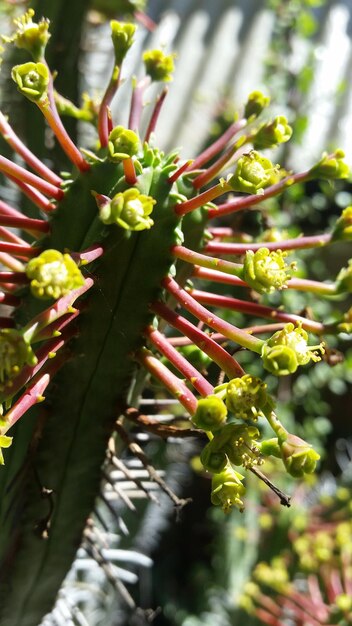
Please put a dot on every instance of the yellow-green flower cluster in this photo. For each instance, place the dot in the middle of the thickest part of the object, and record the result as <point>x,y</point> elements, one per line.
<point>53,274</point>
<point>123,144</point>
<point>287,349</point>
<point>32,80</point>
<point>266,271</point>
<point>14,353</point>
<point>129,209</point>
<point>254,173</point>
<point>159,65</point>
<point>30,36</point>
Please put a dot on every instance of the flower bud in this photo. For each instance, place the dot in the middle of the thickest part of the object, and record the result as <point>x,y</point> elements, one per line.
<point>158,65</point>
<point>331,166</point>
<point>32,80</point>
<point>298,456</point>
<point>343,227</point>
<point>255,104</point>
<point>344,279</point>
<point>240,447</point>
<point>287,349</point>
<point>53,275</point>
<point>246,397</point>
<point>253,173</point>
<point>14,353</point>
<point>265,271</point>
<point>272,133</point>
<point>129,209</point>
<point>212,459</point>
<point>29,35</point>
<point>123,144</point>
<point>227,489</point>
<point>210,414</point>
<point>122,39</point>
<point>5,442</point>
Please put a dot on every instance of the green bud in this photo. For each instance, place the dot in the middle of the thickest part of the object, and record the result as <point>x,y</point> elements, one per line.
<point>266,271</point>
<point>5,442</point>
<point>298,456</point>
<point>15,352</point>
<point>129,209</point>
<point>254,173</point>
<point>255,104</point>
<point>210,414</point>
<point>195,356</point>
<point>246,397</point>
<point>287,349</point>
<point>53,275</point>
<point>345,326</point>
<point>343,227</point>
<point>227,490</point>
<point>344,279</point>
<point>158,65</point>
<point>122,39</point>
<point>32,80</point>
<point>331,166</point>
<point>29,35</point>
<point>270,447</point>
<point>272,133</point>
<point>212,459</point>
<point>123,144</point>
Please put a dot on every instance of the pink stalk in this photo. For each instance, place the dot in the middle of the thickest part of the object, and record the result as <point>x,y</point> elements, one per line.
<point>269,604</point>
<point>218,277</point>
<point>137,103</point>
<point>175,385</point>
<point>52,313</point>
<point>8,235</point>
<point>129,171</point>
<point>21,251</point>
<point>87,256</point>
<point>14,278</point>
<point>314,590</point>
<point>45,352</point>
<point>162,344</point>
<point>104,115</point>
<point>206,343</point>
<point>218,145</point>
<point>25,223</point>
<point>32,395</point>
<point>9,261</point>
<point>155,115</point>
<point>346,572</point>
<point>320,612</point>
<point>145,20</point>
<point>20,174</point>
<point>178,172</point>
<point>9,299</point>
<point>301,613</point>
<point>244,202</point>
<point>333,584</point>
<point>63,138</point>
<point>6,209</point>
<point>316,241</point>
<point>201,313</point>
<point>34,195</point>
<point>267,618</point>
<point>27,155</point>
<point>231,154</point>
<point>203,198</point>
<point>55,328</point>
<point>196,258</point>
<point>258,310</point>
<point>219,232</point>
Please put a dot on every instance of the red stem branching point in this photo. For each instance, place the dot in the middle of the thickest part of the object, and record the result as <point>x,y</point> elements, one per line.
<point>20,174</point>
<point>161,343</point>
<point>299,243</point>
<point>210,319</point>
<point>175,385</point>
<point>257,310</point>
<point>246,202</point>
<point>218,145</point>
<point>201,339</point>
<point>155,115</point>
<point>129,171</point>
<point>27,155</point>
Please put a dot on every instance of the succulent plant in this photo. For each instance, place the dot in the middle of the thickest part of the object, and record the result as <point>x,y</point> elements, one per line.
<point>112,249</point>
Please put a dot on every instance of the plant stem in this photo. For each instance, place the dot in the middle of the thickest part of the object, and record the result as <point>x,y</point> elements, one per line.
<point>203,198</point>
<point>155,115</point>
<point>316,241</point>
<point>196,258</point>
<point>218,145</point>
<point>63,138</point>
<point>20,174</point>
